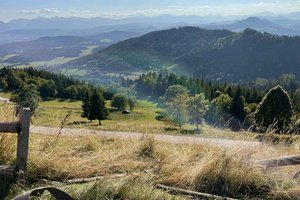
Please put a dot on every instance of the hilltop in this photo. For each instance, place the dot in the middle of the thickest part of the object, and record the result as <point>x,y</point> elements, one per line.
<point>214,54</point>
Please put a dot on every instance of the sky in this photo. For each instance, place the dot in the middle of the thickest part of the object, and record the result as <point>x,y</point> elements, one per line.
<point>12,9</point>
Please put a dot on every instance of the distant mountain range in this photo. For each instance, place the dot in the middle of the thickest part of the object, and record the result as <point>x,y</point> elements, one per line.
<point>214,54</point>
<point>263,25</point>
<point>211,51</point>
<point>25,29</point>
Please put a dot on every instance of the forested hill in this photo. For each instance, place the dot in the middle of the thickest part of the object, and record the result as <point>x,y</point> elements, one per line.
<point>215,54</point>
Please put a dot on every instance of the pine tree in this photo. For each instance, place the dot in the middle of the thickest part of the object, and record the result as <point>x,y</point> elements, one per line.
<point>275,109</point>
<point>238,104</point>
<point>98,110</point>
<point>86,105</point>
<point>28,97</point>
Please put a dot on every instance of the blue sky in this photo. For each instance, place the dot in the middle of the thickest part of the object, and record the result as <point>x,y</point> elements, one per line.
<point>10,9</point>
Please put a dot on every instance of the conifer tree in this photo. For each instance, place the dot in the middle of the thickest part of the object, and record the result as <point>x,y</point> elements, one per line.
<point>275,109</point>
<point>238,104</point>
<point>86,105</point>
<point>97,109</point>
<point>28,97</point>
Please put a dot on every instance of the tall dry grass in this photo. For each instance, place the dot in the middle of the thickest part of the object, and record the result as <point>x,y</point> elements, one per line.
<point>7,141</point>
<point>201,167</point>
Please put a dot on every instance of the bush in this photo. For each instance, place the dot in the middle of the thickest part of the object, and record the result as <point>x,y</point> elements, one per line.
<point>119,101</point>
<point>275,110</point>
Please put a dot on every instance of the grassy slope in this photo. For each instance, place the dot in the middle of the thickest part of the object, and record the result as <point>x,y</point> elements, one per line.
<point>204,168</point>
<point>142,119</point>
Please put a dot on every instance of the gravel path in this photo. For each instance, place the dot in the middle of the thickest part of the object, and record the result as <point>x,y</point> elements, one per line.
<point>176,139</point>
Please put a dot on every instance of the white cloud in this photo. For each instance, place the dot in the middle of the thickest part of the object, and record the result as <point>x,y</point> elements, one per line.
<point>39,11</point>
<point>50,10</point>
<point>29,12</point>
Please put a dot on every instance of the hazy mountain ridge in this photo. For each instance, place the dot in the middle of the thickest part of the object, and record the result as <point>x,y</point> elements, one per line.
<point>25,29</point>
<point>48,48</point>
<point>217,54</point>
<point>258,24</point>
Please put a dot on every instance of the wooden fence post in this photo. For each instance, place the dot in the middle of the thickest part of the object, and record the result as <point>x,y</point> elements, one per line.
<point>23,141</point>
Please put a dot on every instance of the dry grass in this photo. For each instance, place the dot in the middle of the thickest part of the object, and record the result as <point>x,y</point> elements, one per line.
<point>7,141</point>
<point>204,168</point>
<point>222,172</point>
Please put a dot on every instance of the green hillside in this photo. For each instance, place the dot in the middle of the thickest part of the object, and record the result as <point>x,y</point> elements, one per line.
<point>215,54</point>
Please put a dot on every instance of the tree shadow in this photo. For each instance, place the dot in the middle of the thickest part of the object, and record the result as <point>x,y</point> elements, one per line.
<point>78,123</point>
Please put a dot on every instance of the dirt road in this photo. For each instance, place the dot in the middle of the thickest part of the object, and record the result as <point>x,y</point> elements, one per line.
<point>176,139</point>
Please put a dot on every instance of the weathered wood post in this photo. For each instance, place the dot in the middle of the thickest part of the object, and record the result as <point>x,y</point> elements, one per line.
<point>23,142</point>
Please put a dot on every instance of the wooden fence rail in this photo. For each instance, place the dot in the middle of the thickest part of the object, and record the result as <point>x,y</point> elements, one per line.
<point>22,129</point>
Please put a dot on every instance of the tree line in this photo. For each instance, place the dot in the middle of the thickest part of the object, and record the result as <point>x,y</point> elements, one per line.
<point>233,106</point>
<point>30,86</point>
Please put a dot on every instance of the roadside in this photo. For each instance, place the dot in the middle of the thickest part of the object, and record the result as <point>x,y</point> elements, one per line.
<point>175,139</point>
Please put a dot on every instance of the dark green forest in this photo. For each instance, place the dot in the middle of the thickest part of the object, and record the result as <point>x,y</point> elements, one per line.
<point>48,84</point>
<point>215,54</point>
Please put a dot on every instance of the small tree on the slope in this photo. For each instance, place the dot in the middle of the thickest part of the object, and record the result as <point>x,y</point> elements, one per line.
<point>219,110</point>
<point>197,107</point>
<point>119,101</point>
<point>238,104</point>
<point>132,103</point>
<point>86,105</point>
<point>177,110</point>
<point>275,109</point>
<point>97,109</point>
<point>28,97</point>
<point>174,91</point>
<point>48,89</point>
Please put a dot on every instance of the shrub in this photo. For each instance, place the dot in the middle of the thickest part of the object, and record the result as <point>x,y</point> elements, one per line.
<point>119,101</point>
<point>274,110</point>
<point>28,97</point>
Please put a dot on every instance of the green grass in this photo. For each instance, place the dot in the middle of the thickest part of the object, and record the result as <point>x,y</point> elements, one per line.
<point>5,94</point>
<point>141,119</point>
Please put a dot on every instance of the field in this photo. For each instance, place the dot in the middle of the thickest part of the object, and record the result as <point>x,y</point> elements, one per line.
<point>132,168</point>
<point>142,119</point>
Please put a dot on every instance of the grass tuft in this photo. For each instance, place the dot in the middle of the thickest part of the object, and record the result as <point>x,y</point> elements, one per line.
<point>146,149</point>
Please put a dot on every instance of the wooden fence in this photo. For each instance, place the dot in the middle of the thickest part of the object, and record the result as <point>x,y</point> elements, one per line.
<point>22,129</point>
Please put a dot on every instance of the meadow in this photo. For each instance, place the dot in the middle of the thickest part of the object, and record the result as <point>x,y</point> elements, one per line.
<point>131,169</point>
